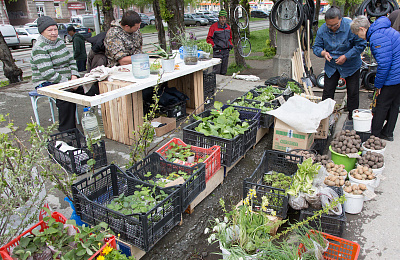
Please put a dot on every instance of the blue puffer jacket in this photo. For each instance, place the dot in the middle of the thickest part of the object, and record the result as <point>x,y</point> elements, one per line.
<point>385,46</point>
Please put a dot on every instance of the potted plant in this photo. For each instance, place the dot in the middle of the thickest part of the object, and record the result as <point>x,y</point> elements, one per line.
<point>204,50</point>
<point>168,59</point>
<point>245,229</point>
<point>189,47</point>
<point>155,67</point>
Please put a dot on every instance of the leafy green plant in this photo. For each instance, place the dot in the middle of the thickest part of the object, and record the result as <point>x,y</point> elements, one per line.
<point>265,107</point>
<point>302,180</point>
<point>155,66</point>
<point>264,97</point>
<point>268,50</point>
<point>141,201</point>
<point>110,253</point>
<point>277,180</point>
<point>65,241</point>
<point>204,46</point>
<point>162,181</point>
<point>225,124</point>
<point>269,89</point>
<point>293,87</point>
<point>162,53</point>
<point>176,151</point>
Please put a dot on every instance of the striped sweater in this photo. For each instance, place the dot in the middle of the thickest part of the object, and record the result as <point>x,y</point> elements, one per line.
<point>51,61</point>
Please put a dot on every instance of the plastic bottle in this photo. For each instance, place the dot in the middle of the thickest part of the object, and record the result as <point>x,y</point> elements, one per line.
<point>97,112</point>
<point>90,125</point>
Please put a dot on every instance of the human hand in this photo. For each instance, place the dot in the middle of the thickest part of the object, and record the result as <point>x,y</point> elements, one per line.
<point>73,77</point>
<point>342,59</point>
<point>378,91</point>
<point>326,55</point>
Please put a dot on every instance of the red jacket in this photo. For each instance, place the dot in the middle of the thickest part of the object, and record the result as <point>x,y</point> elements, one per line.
<point>220,37</point>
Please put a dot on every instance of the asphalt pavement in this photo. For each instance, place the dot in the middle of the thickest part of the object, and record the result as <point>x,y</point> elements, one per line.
<point>375,228</point>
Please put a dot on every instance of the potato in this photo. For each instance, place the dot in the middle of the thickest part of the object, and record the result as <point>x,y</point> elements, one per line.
<point>348,189</point>
<point>357,192</point>
<point>365,168</point>
<point>341,182</point>
<point>330,183</point>
<point>371,177</point>
<point>347,183</point>
<point>362,186</point>
<point>358,176</point>
<point>354,187</point>
<point>364,176</point>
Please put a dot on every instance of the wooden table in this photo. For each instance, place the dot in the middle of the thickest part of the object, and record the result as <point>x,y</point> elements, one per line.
<point>122,111</point>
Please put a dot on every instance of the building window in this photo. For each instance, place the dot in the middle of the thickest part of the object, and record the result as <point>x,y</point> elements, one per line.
<point>40,9</point>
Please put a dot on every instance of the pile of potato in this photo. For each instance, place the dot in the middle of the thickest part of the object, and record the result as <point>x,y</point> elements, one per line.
<point>337,174</point>
<point>372,160</point>
<point>305,153</point>
<point>374,143</point>
<point>323,159</point>
<point>355,189</point>
<point>362,173</point>
<point>346,142</point>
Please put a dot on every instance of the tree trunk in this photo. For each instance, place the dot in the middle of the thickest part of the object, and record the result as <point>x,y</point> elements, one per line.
<point>108,14</point>
<point>316,16</point>
<point>98,16</point>
<point>272,33</point>
<point>240,61</point>
<point>11,71</point>
<point>175,24</point>
<point>159,26</point>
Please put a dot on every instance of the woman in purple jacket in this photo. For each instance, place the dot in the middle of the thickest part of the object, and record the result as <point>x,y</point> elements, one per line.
<point>385,46</point>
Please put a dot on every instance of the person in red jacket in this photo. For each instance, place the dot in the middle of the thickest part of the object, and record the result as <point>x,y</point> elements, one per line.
<point>220,37</point>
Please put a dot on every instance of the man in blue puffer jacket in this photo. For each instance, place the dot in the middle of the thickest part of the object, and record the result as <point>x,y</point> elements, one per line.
<point>385,46</point>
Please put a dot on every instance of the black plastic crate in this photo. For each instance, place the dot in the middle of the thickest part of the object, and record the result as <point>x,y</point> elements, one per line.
<point>91,196</point>
<point>209,82</point>
<point>231,149</point>
<point>266,120</point>
<point>245,113</point>
<point>319,145</point>
<point>280,162</point>
<point>156,164</point>
<point>250,136</point>
<point>177,110</point>
<point>285,93</point>
<point>75,161</point>
<point>331,224</point>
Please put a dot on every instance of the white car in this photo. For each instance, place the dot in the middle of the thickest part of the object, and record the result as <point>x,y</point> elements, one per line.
<point>32,24</point>
<point>27,36</point>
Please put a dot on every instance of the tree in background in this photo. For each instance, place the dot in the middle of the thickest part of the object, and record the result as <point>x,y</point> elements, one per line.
<point>172,13</point>
<point>107,8</point>
<point>123,4</point>
<point>10,69</point>
<point>159,24</point>
<point>348,7</point>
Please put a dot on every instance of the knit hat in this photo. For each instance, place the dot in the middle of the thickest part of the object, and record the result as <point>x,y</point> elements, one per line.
<point>223,13</point>
<point>43,22</point>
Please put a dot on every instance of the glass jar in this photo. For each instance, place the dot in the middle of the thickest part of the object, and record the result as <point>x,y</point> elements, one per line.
<point>140,66</point>
<point>190,55</point>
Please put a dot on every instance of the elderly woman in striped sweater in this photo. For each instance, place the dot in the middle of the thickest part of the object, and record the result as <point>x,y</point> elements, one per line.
<point>52,63</point>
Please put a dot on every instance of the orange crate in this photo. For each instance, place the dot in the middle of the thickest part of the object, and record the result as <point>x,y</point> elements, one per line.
<point>339,248</point>
<point>213,162</point>
<point>5,250</point>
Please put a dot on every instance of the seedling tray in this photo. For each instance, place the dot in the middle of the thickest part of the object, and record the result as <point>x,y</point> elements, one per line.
<point>91,196</point>
<point>331,224</point>
<point>277,161</point>
<point>213,162</point>
<point>75,161</point>
<point>156,164</point>
<point>266,120</point>
<point>231,149</point>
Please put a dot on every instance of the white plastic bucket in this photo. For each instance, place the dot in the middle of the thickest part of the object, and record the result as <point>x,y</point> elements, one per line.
<point>371,184</point>
<point>382,151</point>
<point>362,119</point>
<point>353,203</point>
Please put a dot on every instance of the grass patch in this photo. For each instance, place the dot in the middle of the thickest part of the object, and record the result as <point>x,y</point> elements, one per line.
<point>233,68</point>
<point>6,82</point>
<point>151,29</point>
<point>252,19</point>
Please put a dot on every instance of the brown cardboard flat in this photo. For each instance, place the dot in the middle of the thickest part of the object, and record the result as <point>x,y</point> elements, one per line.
<point>286,139</point>
<point>170,125</point>
<point>323,129</point>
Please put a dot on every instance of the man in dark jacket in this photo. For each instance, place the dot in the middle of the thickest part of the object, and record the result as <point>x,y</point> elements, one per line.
<point>341,50</point>
<point>220,37</point>
<point>385,46</point>
<point>79,48</point>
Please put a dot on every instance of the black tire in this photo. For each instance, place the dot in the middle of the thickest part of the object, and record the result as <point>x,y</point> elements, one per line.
<point>152,22</point>
<point>279,10</point>
<point>320,80</point>
<point>313,79</point>
<point>374,11</point>
<point>369,80</point>
<point>341,84</point>
<point>198,23</point>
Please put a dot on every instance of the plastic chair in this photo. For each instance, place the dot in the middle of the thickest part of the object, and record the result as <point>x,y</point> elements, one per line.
<point>34,99</point>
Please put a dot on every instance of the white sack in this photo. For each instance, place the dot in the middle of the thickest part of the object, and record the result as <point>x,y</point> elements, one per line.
<point>302,114</point>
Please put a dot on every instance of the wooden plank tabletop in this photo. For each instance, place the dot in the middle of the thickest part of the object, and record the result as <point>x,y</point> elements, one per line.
<point>59,91</point>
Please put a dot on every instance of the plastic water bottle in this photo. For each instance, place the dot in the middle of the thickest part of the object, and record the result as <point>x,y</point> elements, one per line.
<point>140,66</point>
<point>97,112</point>
<point>90,125</point>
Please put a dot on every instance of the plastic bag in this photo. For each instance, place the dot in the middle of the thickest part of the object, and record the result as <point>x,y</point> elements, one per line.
<point>314,199</point>
<point>320,177</point>
<point>298,202</point>
<point>327,196</point>
<point>317,250</point>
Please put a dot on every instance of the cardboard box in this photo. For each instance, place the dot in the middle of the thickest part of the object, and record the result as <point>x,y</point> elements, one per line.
<point>170,125</point>
<point>286,139</point>
<point>323,129</point>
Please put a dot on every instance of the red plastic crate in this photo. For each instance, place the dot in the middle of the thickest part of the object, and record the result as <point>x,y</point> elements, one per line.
<point>213,162</point>
<point>5,250</point>
<point>339,248</point>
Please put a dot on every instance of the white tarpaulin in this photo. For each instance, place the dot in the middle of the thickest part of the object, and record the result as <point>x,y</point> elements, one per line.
<point>302,114</point>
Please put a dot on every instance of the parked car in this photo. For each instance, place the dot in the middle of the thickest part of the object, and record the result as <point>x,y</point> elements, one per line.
<point>192,19</point>
<point>145,19</point>
<point>152,19</point>
<point>10,35</point>
<point>32,24</point>
<point>27,35</point>
<point>83,20</point>
<point>63,34</point>
<point>211,19</point>
<point>259,14</point>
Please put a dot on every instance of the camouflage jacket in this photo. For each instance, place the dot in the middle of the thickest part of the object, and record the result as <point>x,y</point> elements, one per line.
<point>119,43</point>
